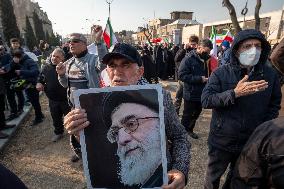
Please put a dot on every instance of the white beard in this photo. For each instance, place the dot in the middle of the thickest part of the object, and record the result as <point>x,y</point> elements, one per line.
<point>136,169</point>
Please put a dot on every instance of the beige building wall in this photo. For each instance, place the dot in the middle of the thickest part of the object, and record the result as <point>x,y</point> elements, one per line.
<point>191,30</point>
<point>156,24</point>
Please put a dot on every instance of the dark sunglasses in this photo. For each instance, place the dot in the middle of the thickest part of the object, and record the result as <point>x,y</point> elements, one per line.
<point>74,41</point>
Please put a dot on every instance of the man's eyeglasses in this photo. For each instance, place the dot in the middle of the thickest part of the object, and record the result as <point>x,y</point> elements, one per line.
<point>129,126</point>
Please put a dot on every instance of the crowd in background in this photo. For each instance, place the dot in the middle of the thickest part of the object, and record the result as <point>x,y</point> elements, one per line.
<point>241,86</point>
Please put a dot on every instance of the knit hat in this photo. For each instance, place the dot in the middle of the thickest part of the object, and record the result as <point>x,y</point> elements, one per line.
<point>226,44</point>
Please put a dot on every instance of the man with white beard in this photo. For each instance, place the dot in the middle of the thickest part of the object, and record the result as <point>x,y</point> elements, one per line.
<point>135,127</point>
<point>124,67</point>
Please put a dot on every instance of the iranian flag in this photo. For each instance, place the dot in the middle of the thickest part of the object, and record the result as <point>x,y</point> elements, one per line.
<point>213,36</point>
<point>227,36</point>
<point>109,36</point>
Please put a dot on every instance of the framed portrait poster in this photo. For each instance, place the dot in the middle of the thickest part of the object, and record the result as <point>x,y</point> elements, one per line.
<point>125,145</point>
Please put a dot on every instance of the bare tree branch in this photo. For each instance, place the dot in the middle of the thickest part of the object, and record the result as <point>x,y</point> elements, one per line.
<point>232,12</point>
<point>148,36</point>
<point>256,14</point>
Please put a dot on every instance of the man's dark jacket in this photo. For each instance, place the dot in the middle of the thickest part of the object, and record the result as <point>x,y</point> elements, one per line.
<point>28,69</point>
<point>4,63</point>
<point>191,70</point>
<point>49,78</point>
<point>234,119</point>
<point>261,163</point>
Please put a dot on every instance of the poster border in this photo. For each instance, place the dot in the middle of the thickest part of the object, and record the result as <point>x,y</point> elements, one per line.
<point>159,89</point>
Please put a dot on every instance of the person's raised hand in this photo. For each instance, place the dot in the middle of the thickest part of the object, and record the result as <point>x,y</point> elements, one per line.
<point>75,121</point>
<point>176,180</point>
<point>61,69</point>
<point>245,88</point>
<point>97,32</point>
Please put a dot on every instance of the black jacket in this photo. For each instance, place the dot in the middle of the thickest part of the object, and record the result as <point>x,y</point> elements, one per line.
<point>191,70</point>
<point>9,180</point>
<point>4,64</point>
<point>261,163</point>
<point>234,119</point>
<point>49,78</point>
<point>28,69</point>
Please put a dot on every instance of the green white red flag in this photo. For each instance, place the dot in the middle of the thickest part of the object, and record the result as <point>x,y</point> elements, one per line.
<point>108,35</point>
<point>213,37</point>
<point>227,37</point>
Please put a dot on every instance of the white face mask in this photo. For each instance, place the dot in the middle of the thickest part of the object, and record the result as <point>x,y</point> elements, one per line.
<point>250,57</point>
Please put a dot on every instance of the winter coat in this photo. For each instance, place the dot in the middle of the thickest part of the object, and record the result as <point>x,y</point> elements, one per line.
<point>191,70</point>
<point>277,56</point>
<point>261,163</point>
<point>180,55</point>
<point>2,85</point>
<point>234,119</point>
<point>225,57</point>
<point>149,66</point>
<point>49,78</point>
<point>4,64</point>
<point>277,60</point>
<point>28,69</point>
<point>213,64</point>
<point>5,61</point>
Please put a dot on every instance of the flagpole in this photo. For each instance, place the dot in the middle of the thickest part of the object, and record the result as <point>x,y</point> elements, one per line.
<point>109,2</point>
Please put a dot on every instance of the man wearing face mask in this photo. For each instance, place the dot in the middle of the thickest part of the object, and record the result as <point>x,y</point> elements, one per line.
<point>194,72</point>
<point>193,42</point>
<point>243,94</point>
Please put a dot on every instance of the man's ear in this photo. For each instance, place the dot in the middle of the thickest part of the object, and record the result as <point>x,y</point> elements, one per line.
<point>140,71</point>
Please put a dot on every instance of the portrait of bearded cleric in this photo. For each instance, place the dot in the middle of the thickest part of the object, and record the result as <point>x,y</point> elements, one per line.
<point>126,140</point>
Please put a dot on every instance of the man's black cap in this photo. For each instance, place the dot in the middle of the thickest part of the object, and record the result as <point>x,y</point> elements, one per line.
<point>111,101</point>
<point>123,50</point>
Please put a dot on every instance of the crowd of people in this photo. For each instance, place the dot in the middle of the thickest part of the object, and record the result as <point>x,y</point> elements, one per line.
<point>242,87</point>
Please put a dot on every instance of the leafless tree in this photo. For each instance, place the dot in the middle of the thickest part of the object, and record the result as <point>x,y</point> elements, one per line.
<point>256,14</point>
<point>232,12</point>
<point>148,34</point>
<point>233,15</point>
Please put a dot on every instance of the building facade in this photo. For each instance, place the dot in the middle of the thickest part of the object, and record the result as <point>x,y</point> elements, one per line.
<point>23,8</point>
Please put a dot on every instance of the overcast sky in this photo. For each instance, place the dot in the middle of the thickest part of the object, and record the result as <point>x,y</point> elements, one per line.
<point>70,16</point>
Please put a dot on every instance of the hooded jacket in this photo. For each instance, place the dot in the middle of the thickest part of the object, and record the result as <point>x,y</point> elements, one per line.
<point>261,163</point>
<point>234,119</point>
<point>28,69</point>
